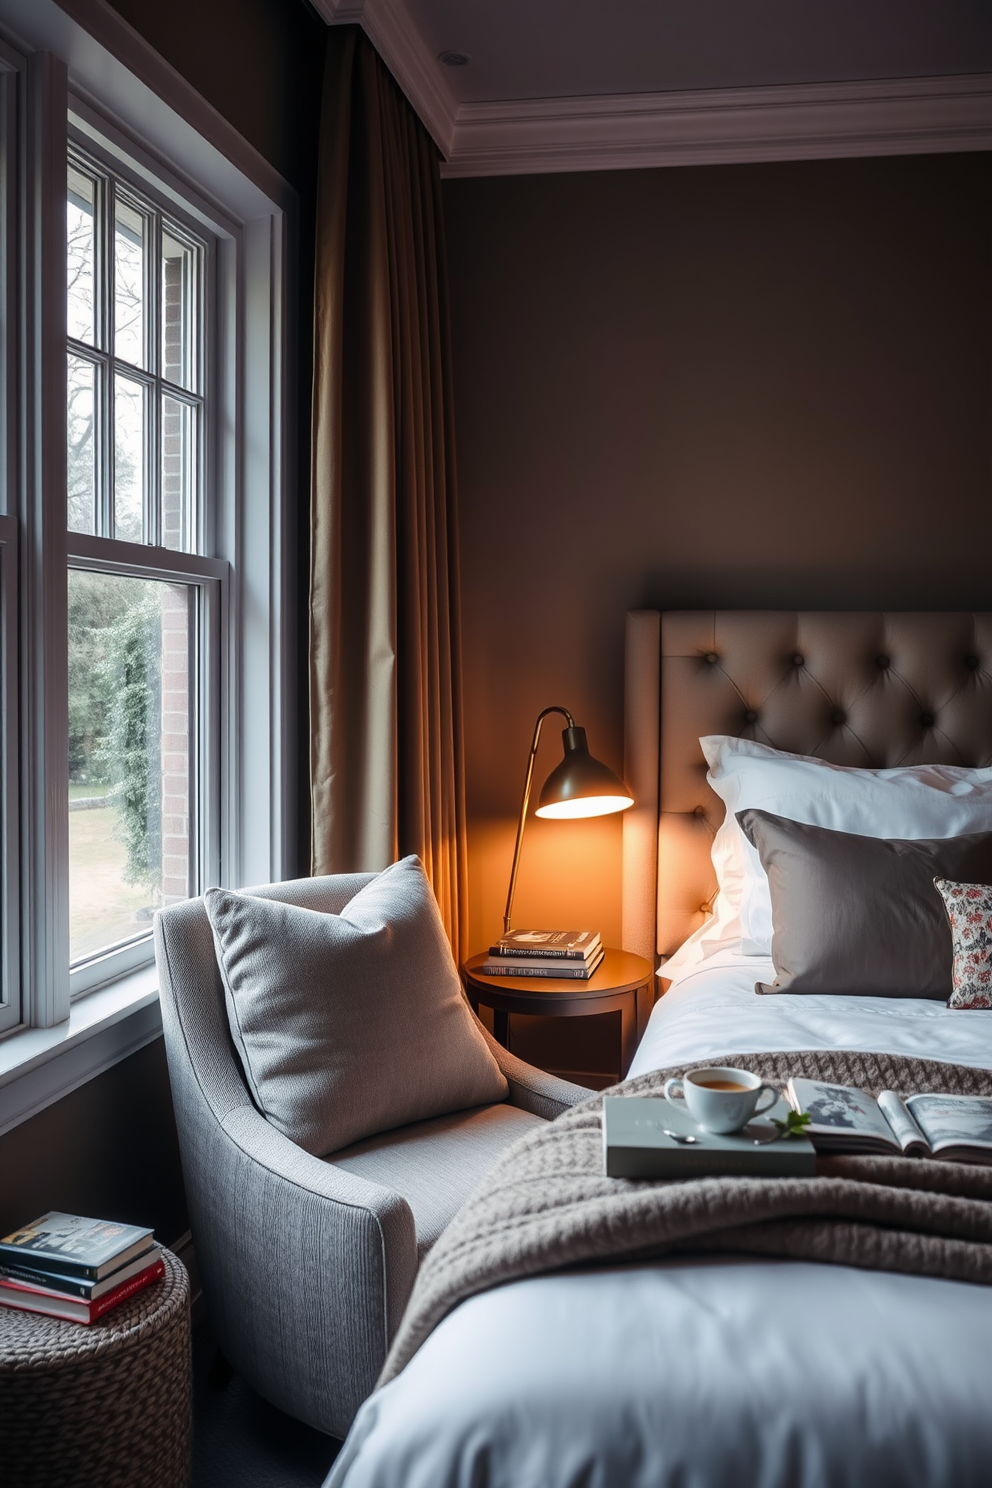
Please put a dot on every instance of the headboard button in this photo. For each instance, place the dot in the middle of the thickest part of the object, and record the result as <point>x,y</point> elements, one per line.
<point>750,716</point>
<point>838,716</point>
<point>798,660</point>
<point>711,657</point>
<point>699,811</point>
<point>883,662</point>
<point>972,662</point>
<point>927,720</point>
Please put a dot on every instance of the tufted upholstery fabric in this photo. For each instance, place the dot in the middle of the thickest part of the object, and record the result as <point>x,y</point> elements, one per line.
<point>868,689</point>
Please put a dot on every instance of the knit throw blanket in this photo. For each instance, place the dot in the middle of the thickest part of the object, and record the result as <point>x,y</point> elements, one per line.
<point>547,1203</point>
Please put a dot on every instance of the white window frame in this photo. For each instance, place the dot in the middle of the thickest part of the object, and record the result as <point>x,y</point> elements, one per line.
<point>126,102</point>
<point>120,172</point>
<point>10,133</point>
<point>123,163</point>
<point>10,1000</point>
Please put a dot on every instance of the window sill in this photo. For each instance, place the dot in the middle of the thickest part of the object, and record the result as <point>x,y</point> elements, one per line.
<point>40,1065</point>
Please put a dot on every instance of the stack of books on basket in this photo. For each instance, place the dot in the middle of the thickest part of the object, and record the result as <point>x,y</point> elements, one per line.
<point>69,1267</point>
<point>572,954</point>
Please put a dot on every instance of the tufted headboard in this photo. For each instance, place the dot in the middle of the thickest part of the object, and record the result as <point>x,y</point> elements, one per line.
<point>867,689</point>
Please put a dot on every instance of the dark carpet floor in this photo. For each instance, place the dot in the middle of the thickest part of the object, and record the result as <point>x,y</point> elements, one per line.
<point>240,1440</point>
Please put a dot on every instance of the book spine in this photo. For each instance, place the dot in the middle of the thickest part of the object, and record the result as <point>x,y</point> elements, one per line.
<point>536,954</point>
<point>71,1286</point>
<point>42,1263</point>
<point>126,1289</point>
<point>70,1309</point>
<point>654,1162</point>
<point>557,973</point>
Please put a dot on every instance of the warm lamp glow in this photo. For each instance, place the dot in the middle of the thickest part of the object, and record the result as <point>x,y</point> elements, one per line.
<point>579,786</point>
<point>589,806</point>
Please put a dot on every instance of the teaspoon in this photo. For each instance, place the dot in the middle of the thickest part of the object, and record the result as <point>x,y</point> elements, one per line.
<point>679,1136</point>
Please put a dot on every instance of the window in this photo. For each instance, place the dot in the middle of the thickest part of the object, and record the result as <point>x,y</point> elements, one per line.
<point>145,696</point>
<point>10,1001</point>
<point>139,294</point>
<point>135,301</point>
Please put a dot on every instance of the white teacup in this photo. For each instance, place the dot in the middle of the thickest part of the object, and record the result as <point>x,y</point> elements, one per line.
<point>721,1099</point>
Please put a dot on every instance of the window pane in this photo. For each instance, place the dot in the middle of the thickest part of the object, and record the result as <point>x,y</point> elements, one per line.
<point>180,265</point>
<point>81,445</point>
<point>178,475</point>
<point>81,256</point>
<point>130,310</point>
<point>129,459</point>
<point>129,756</point>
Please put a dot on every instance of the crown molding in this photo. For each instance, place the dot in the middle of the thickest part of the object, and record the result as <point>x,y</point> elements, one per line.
<point>391,30</point>
<point>340,12</point>
<point>722,126</point>
<point>811,121</point>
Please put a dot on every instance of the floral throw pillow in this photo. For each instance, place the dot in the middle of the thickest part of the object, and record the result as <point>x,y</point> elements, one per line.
<point>969,909</point>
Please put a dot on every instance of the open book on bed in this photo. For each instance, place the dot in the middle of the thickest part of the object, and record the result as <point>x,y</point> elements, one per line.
<point>957,1128</point>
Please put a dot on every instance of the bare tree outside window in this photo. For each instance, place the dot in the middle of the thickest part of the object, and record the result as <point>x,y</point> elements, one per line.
<point>82,373</point>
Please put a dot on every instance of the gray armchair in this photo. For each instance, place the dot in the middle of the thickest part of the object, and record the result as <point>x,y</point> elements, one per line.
<point>307,1263</point>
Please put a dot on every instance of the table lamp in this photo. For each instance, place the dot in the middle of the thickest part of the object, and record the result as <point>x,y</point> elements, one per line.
<point>579,786</point>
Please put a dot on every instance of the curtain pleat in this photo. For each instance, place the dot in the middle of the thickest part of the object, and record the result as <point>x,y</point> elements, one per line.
<point>387,757</point>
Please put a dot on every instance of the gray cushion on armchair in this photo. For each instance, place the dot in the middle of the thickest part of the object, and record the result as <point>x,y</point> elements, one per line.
<point>436,1164</point>
<point>307,1264</point>
<point>315,1000</point>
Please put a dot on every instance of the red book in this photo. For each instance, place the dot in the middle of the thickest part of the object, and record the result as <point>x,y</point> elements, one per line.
<point>42,1299</point>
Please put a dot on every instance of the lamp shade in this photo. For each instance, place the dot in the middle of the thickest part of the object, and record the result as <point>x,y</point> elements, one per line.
<point>581,785</point>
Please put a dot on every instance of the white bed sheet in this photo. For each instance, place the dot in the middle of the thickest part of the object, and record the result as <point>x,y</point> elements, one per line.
<point>713,1009</point>
<point>702,1373</point>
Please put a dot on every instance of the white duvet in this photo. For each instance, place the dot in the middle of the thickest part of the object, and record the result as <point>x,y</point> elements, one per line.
<point>708,1373</point>
<point>714,1009</point>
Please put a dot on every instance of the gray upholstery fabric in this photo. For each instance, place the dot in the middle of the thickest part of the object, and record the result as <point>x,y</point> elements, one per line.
<point>533,1089</point>
<point>306,1268</point>
<point>436,1164</point>
<point>315,1000</point>
<point>860,915</point>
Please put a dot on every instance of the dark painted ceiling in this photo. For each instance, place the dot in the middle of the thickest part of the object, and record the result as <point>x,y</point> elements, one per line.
<point>577,48</point>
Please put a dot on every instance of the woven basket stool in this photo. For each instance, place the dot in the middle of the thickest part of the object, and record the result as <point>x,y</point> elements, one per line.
<point>104,1406</point>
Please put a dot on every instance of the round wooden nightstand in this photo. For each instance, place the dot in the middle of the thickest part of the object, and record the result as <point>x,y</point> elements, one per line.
<point>621,983</point>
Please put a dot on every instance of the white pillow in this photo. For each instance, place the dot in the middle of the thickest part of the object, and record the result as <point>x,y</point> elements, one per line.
<point>908,801</point>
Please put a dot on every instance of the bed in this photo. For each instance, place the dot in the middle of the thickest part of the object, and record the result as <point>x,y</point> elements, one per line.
<point>707,1370</point>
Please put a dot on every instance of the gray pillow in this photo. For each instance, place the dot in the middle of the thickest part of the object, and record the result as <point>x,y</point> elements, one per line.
<point>857,914</point>
<point>350,1024</point>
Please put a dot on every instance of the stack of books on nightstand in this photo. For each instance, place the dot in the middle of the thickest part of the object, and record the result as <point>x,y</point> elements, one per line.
<point>571,954</point>
<point>69,1267</point>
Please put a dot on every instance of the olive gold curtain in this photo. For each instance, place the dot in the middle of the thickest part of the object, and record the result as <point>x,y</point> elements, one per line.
<point>386,766</point>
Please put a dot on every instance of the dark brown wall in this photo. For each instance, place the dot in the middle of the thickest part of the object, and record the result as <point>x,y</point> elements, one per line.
<point>746,385</point>
<point>107,1150</point>
<point>259,62</point>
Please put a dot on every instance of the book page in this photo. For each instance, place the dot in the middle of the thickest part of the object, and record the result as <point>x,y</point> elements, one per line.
<point>953,1120</point>
<point>839,1108</point>
<point>904,1128</point>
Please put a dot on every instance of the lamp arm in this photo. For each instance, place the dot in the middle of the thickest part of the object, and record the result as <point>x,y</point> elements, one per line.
<point>525,803</point>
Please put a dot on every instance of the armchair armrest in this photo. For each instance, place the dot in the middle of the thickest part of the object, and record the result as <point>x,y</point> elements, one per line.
<point>306,1268</point>
<point>532,1089</point>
